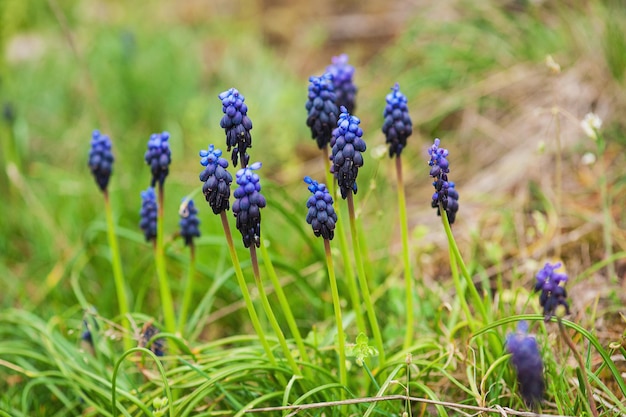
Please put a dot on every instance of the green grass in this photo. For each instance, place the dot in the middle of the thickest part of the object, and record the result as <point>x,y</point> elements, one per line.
<point>149,69</point>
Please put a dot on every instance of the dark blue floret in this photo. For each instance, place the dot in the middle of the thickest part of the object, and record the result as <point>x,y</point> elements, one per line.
<point>148,213</point>
<point>322,109</point>
<point>248,204</point>
<point>397,126</point>
<point>526,359</point>
<point>159,157</point>
<point>237,125</point>
<point>147,333</point>
<point>445,194</point>
<point>216,179</point>
<point>189,222</point>
<point>553,294</point>
<point>101,159</point>
<point>345,90</point>
<point>321,215</point>
<point>346,155</point>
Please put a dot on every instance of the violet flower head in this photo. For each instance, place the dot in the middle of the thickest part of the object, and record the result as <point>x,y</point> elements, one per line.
<point>553,294</point>
<point>189,222</point>
<point>345,90</point>
<point>148,213</point>
<point>347,155</point>
<point>101,159</point>
<point>147,333</point>
<point>527,362</point>
<point>159,157</point>
<point>237,125</point>
<point>248,204</point>
<point>322,109</point>
<point>216,179</point>
<point>321,215</point>
<point>398,125</point>
<point>445,194</point>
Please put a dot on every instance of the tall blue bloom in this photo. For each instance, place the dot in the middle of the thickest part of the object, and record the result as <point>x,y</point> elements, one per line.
<point>322,109</point>
<point>148,214</point>
<point>237,125</point>
<point>553,294</point>
<point>248,204</point>
<point>342,73</point>
<point>189,222</point>
<point>445,192</point>
<point>526,359</point>
<point>159,157</point>
<point>346,155</point>
<point>216,179</point>
<point>101,159</point>
<point>398,125</point>
<point>321,215</point>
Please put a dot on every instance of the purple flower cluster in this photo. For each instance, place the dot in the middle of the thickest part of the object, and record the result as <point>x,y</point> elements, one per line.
<point>398,125</point>
<point>237,125</point>
<point>445,194</point>
<point>148,214</point>
<point>101,159</point>
<point>553,294</point>
<point>321,215</point>
<point>527,361</point>
<point>322,109</point>
<point>248,204</point>
<point>346,155</point>
<point>342,73</point>
<point>147,333</point>
<point>216,179</point>
<point>159,157</point>
<point>189,222</point>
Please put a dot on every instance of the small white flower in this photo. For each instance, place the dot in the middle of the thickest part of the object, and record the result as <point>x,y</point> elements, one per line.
<point>379,152</point>
<point>591,124</point>
<point>589,158</point>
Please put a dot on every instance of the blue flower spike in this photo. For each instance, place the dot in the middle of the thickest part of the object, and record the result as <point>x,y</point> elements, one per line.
<point>553,293</point>
<point>321,215</point>
<point>398,125</point>
<point>248,204</point>
<point>527,362</point>
<point>345,90</point>
<point>237,125</point>
<point>189,222</point>
<point>347,148</point>
<point>101,159</point>
<point>158,157</point>
<point>322,109</point>
<point>445,192</point>
<point>148,214</point>
<point>216,179</point>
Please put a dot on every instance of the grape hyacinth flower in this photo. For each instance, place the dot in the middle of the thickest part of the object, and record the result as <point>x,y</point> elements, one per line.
<point>346,155</point>
<point>147,333</point>
<point>445,195</point>
<point>527,361</point>
<point>321,215</point>
<point>148,213</point>
<point>159,157</point>
<point>553,294</point>
<point>216,179</point>
<point>342,73</point>
<point>237,125</point>
<point>189,221</point>
<point>398,125</point>
<point>101,159</point>
<point>248,204</point>
<point>322,109</point>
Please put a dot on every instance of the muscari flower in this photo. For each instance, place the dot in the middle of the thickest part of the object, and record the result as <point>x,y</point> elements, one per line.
<point>553,294</point>
<point>148,213</point>
<point>248,204</point>
<point>342,73</point>
<point>159,157</point>
<point>321,215</point>
<point>147,333</point>
<point>397,126</point>
<point>527,361</point>
<point>322,109</point>
<point>216,179</point>
<point>346,154</point>
<point>445,194</point>
<point>189,221</point>
<point>101,159</point>
<point>237,125</point>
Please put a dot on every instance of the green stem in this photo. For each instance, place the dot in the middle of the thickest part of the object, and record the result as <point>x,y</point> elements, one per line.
<point>341,338</point>
<point>270,313</point>
<point>182,320</point>
<point>408,276</point>
<point>244,290</point>
<point>118,275</point>
<point>164,286</point>
<point>460,290</point>
<point>369,306</point>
